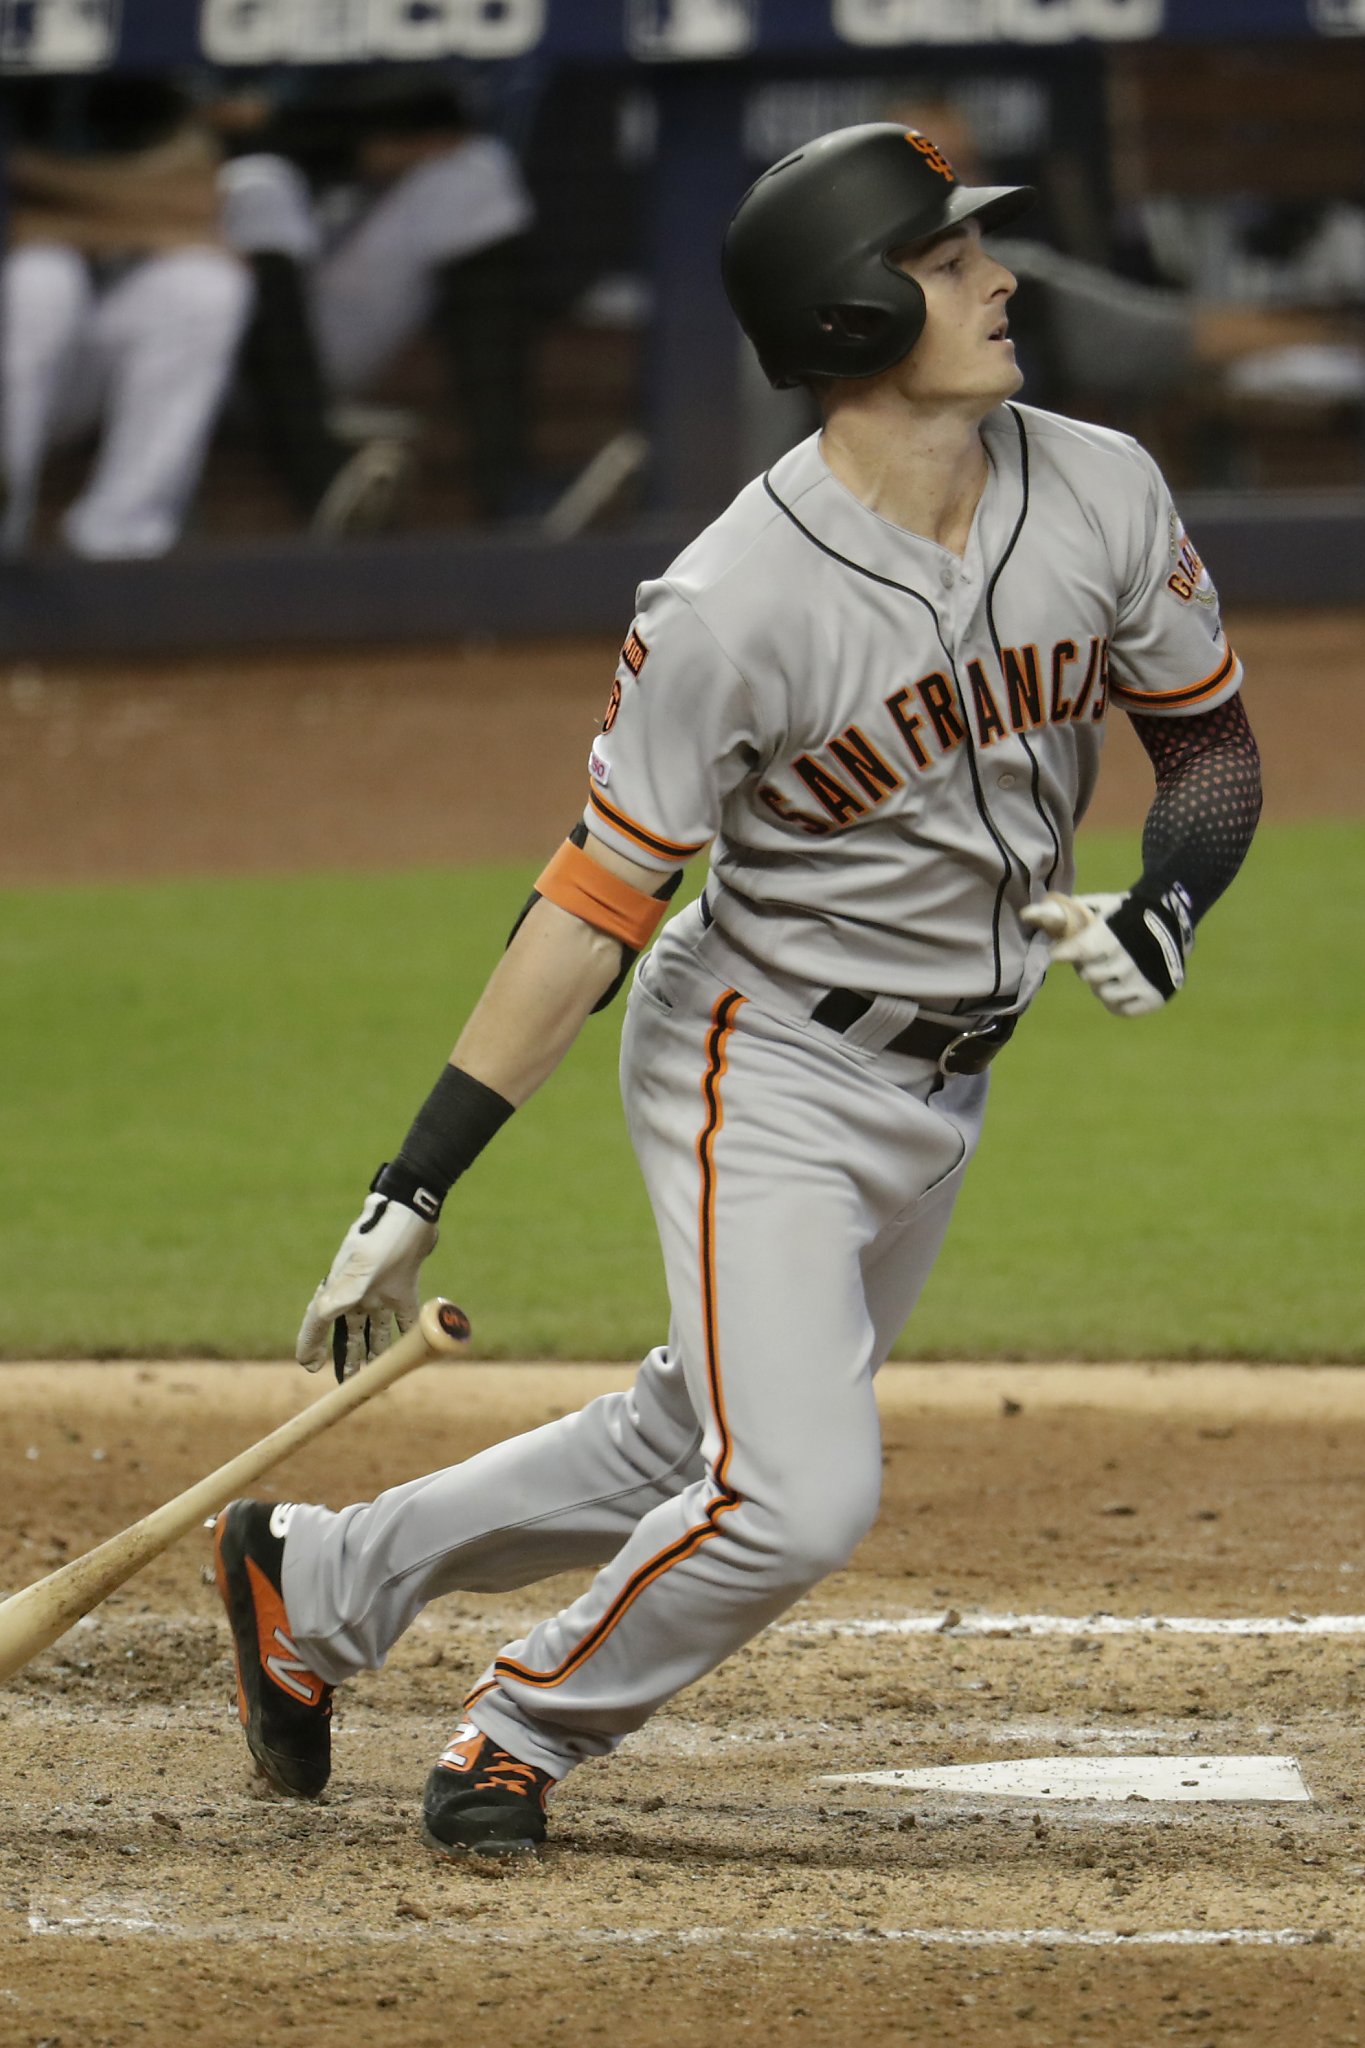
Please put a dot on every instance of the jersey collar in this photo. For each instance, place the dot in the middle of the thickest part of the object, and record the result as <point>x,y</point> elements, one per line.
<point>805,488</point>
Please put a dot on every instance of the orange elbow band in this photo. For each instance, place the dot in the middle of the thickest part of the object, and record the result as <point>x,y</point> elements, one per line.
<point>578,883</point>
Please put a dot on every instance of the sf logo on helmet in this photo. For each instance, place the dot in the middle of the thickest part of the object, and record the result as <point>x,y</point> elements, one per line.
<point>932,154</point>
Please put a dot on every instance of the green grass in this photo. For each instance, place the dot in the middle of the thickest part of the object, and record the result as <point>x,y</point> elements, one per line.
<point>201,1077</point>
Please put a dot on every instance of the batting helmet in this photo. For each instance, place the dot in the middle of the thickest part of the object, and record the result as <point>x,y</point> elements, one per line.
<point>807,256</point>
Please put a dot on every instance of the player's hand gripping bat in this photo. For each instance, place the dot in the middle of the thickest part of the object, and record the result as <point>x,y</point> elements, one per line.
<point>32,1619</point>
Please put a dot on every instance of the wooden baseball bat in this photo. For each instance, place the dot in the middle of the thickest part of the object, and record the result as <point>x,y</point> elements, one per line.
<point>32,1619</point>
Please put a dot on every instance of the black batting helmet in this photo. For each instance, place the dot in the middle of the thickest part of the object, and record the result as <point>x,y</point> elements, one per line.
<point>807,256</point>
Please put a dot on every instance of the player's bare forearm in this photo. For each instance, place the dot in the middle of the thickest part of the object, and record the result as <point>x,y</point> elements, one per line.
<point>543,989</point>
<point>536,1002</point>
<point>557,967</point>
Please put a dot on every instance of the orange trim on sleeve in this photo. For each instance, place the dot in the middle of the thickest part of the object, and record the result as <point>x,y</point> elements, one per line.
<point>580,884</point>
<point>1176,700</point>
<point>662,849</point>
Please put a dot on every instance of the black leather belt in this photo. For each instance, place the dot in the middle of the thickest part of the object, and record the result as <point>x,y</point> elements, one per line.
<point>968,1049</point>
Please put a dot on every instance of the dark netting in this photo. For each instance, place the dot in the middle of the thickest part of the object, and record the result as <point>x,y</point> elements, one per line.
<point>1208,798</point>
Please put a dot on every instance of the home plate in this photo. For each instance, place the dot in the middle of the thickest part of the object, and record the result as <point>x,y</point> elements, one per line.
<point>1103,1777</point>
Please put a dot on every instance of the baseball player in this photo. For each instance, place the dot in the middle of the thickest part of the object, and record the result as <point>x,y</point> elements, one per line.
<point>878,687</point>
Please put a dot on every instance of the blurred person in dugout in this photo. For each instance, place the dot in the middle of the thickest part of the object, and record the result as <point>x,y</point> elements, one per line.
<point>1284,276</point>
<point>121,308</point>
<point>369,212</point>
<point>1166,306</point>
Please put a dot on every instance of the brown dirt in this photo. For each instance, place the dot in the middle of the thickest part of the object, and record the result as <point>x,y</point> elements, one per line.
<point>399,759</point>
<point>704,1879</point>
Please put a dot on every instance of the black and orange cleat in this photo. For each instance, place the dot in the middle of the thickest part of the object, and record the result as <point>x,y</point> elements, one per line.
<point>482,1801</point>
<point>285,1708</point>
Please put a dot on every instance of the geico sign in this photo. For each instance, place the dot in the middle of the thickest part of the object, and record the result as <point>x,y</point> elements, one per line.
<point>331,31</point>
<point>992,21</point>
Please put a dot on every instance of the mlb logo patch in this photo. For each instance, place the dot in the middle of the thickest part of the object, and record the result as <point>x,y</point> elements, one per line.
<point>677,29</point>
<point>634,653</point>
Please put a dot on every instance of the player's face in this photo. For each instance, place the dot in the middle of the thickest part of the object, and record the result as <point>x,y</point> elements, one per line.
<point>964,352</point>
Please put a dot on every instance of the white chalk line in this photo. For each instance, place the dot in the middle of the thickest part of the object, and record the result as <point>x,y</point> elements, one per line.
<point>967,1624</point>
<point>1044,1625</point>
<point>461,1935</point>
<point>838,1625</point>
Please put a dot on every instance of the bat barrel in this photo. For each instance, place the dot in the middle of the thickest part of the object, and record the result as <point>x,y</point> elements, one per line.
<point>32,1619</point>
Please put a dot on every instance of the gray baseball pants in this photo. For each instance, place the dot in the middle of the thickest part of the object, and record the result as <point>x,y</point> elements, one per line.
<point>802,1185</point>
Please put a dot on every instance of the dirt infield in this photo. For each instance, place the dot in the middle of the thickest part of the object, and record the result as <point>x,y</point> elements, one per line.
<point>372,760</point>
<point>704,1880</point>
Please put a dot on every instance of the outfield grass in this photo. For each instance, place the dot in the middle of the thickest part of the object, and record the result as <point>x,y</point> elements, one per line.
<point>201,1077</point>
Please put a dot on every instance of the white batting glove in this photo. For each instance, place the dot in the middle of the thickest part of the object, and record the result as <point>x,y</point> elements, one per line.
<point>1100,934</point>
<point>371,1287</point>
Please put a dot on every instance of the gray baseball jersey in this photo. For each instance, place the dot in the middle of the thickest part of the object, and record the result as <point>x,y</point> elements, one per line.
<point>892,746</point>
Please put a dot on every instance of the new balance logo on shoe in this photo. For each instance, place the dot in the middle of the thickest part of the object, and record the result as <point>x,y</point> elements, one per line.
<point>285,1708</point>
<point>288,1669</point>
<point>275,1646</point>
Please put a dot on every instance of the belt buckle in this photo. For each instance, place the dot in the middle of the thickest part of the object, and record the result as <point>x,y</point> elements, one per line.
<point>945,1058</point>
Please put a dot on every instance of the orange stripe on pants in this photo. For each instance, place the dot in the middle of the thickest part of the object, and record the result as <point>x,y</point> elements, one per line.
<point>684,1546</point>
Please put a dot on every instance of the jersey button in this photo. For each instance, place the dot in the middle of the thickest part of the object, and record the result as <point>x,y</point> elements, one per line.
<point>1006,781</point>
<point>946,577</point>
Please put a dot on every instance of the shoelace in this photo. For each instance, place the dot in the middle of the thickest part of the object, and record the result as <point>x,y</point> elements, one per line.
<point>514,1775</point>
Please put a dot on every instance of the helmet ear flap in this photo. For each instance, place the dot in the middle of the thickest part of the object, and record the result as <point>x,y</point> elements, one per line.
<point>853,337</point>
<point>875,326</point>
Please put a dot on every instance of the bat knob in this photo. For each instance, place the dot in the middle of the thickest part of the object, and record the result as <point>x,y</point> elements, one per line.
<point>454,1322</point>
<point>1060,917</point>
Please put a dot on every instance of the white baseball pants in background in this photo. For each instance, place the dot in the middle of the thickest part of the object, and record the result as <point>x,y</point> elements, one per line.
<point>371,285</point>
<point>150,356</point>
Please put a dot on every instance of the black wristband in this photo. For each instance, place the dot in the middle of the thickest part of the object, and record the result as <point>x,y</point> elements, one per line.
<point>448,1133</point>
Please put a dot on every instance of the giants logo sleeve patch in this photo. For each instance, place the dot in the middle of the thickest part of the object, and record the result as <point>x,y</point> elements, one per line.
<point>1189,580</point>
